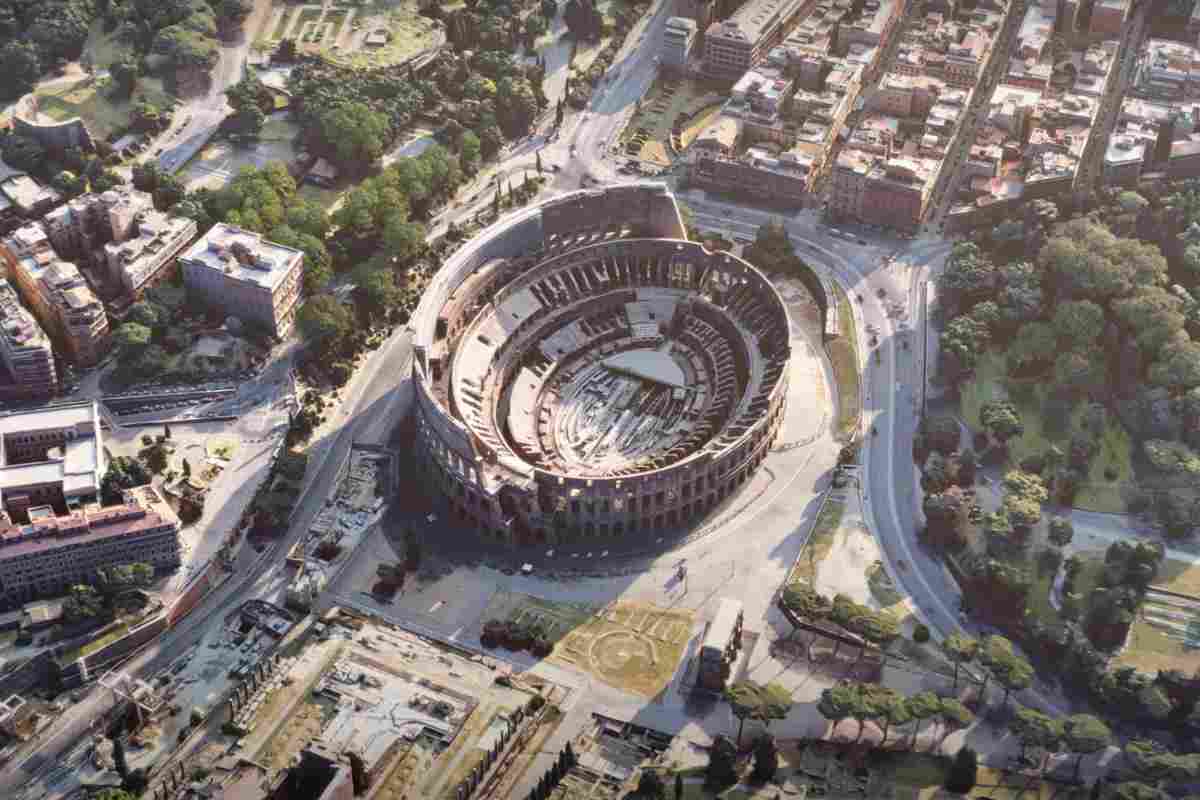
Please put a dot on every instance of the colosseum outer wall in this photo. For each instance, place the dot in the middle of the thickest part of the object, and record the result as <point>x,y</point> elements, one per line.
<point>506,496</point>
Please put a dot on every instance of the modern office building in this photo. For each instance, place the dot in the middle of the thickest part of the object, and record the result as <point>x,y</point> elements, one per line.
<point>51,552</point>
<point>58,295</point>
<point>244,275</point>
<point>25,351</point>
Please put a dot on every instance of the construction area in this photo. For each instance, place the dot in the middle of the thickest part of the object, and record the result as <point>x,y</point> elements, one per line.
<point>609,756</point>
<point>421,720</point>
<point>632,646</point>
<point>343,524</point>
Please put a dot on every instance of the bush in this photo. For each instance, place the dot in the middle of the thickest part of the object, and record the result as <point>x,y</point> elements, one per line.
<point>1034,463</point>
<point>964,772</point>
<point>920,633</point>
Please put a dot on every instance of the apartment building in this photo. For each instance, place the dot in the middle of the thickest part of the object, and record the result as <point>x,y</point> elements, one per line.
<point>735,45</point>
<point>1167,70</point>
<point>812,40</point>
<point>50,456</point>
<point>58,295</point>
<point>140,262</point>
<point>25,351</point>
<point>81,228</point>
<point>1108,18</point>
<point>244,275</point>
<point>1130,150</point>
<point>119,235</point>
<point>874,25</point>
<point>781,177</point>
<point>679,35</point>
<point>758,99</point>
<point>892,192</point>
<point>23,197</point>
<point>906,95</point>
<point>51,552</point>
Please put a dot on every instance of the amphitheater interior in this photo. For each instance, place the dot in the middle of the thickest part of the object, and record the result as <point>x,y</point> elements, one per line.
<point>584,371</point>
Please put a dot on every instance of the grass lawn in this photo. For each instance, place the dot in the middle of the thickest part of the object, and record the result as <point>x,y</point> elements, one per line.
<point>1150,648</point>
<point>1098,493</point>
<point>95,644</point>
<point>820,542</point>
<point>319,196</point>
<point>843,356</point>
<point>699,122</point>
<point>103,48</point>
<point>1179,576</point>
<point>1086,582</point>
<point>89,100</point>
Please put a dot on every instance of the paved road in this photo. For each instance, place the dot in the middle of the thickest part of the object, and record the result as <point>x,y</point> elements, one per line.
<point>199,117</point>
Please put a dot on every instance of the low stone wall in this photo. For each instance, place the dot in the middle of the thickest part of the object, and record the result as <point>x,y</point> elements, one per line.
<point>52,135</point>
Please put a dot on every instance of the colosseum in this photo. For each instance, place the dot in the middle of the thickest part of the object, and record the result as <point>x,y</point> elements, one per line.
<point>584,371</point>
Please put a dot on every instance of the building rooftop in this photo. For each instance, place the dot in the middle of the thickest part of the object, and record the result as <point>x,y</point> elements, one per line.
<point>18,327</point>
<point>681,26</point>
<point>753,19</point>
<point>28,238</point>
<point>1124,149</point>
<point>140,256</point>
<point>1145,110</point>
<point>26,193</point>
<point>141,510</point>
<point>243,255</point>
<point>78,465</point>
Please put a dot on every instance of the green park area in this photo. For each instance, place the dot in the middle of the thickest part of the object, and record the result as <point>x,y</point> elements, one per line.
<point>843,357</point>
<point>1047,422</point>
<point>92,100</point>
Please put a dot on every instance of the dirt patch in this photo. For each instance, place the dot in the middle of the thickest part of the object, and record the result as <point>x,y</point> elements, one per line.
<point>632,646</point>
<point>1165,635</point>
<point>1179,576</point>
<point>670,102</point>
<point>303,725</point>
<point>843,569</point>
